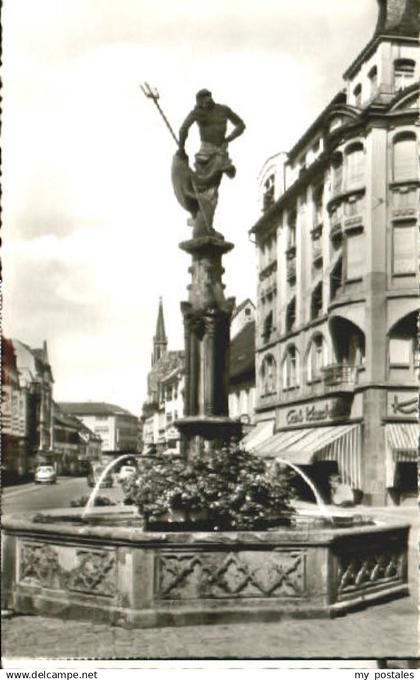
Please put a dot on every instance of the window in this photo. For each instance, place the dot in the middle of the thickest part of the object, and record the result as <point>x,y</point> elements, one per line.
<point>336,278</point>
<point>316,359</point>
<point>268,192</point>
<point>337,173</point>
<point>400,351</point>
<point>355,255</point>
<point>268,326</point>
<point>404,248</point>
<point>290,368</point>
<point>357,93</point>
<point>403,73</point>
<point>316,302</point>
<point>268,375</point>
<point>405,162</point>
<point>373,80</point>
<point>355,166</point>
<point>291,315</point>
<point>317,197</point>
<point>291,228</point>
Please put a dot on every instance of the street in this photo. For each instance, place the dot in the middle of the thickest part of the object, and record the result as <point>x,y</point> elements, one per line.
<point>47,496</point>
<point>385,630</point>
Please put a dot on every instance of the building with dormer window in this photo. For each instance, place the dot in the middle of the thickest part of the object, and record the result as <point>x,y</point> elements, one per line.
<point>337,297</point>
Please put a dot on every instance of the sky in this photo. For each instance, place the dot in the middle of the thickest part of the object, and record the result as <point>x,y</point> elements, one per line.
<point>90,224</point>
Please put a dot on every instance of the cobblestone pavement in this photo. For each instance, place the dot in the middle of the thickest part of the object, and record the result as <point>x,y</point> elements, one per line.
<point>385,630</point>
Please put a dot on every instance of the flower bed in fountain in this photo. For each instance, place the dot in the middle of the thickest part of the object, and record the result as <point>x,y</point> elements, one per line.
<point>227,489</point>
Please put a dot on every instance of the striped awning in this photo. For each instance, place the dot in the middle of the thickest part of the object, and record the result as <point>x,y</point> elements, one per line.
<point>341,443</point>
<point>260,433</point>
<point>403,441</point>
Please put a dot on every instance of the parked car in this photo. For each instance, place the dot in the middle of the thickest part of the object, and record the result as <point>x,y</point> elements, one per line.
<point>126,471</point>
<point>45,474</point>
<point>94,474</point>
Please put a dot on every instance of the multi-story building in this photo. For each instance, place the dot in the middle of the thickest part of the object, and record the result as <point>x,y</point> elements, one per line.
<point>337,303</point>
<point>117,427</point>
<point>242,365</point>
<point>75,445</point>
<point>13,415</point>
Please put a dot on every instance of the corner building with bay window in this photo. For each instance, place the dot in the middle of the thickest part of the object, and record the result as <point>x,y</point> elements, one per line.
<point>337,295</point>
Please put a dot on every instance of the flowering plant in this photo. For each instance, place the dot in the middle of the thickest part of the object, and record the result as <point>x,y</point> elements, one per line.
<point>234,488</point>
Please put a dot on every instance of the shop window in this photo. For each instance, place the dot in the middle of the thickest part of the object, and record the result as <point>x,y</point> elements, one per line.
<point>316,359</point>
<point>316,302</point>
<point>404,248</point>
<point>291,315</point>
<point>355,162</point>
<point>405,162</point>
<point>357,94</point>
<point>403,73</point>
<point>268,375</point>
<point>290,368</point>
<point>373,80</point>
<point>400,351</point>
<point>355,244</point>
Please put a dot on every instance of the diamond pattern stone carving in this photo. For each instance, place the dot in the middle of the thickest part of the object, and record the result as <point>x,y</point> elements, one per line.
<point>235,575</point>
<point>94,574</point>
<point>39,565</point>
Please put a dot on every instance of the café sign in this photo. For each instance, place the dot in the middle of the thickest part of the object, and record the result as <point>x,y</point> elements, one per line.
<point>325,410</point>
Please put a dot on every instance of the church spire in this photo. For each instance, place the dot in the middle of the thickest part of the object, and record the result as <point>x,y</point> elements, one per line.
<point>160,341</point>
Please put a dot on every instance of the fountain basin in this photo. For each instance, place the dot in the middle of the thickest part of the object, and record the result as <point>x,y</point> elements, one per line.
<point>128,577</point>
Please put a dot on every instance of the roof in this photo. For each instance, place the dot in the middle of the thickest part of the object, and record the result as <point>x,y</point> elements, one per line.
<point>396,19</point>
<point>243,304</point>
<point>92,408</point>
<point>242,353</point>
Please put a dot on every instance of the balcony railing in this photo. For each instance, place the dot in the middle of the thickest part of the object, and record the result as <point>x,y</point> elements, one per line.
<point>339,375</point>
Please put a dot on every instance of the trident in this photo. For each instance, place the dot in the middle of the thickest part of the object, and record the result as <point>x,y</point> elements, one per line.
<point>153,94</point>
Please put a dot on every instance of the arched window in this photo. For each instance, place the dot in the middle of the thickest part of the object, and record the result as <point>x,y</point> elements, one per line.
<point>290,374</point>
<point>403,73</point>
<point>268,375</point>
<point>355,166</point>
<point>316,358</point>
<point>405,162</point>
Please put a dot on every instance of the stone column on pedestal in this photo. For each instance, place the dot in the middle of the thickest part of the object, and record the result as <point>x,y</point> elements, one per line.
<point>207,316</point>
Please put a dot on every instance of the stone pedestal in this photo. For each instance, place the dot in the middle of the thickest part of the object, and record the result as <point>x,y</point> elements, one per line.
<point>207,316</point>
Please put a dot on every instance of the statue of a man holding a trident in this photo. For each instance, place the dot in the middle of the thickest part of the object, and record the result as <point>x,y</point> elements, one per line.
<point>197,190</point>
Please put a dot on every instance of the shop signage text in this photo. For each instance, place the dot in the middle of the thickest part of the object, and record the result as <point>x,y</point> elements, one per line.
<point>314,413</point>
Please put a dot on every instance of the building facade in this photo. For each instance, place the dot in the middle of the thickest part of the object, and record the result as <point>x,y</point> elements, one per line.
<point>75,445</point>
<point>27,430</point>
<point>117,428</point>
<point>337,246</point>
